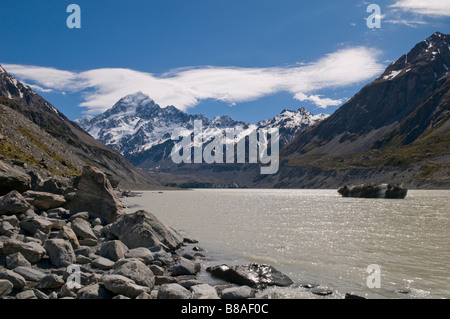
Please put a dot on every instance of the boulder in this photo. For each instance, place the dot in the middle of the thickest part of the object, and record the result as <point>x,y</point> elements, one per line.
<point>83,260</point>
<point>51,281</point>
<point>102,263</point>
<point>156,270</point>
<point>143,229</point>
<point>57,223</point>
<point>16,279</point>
<point>113,250</point>
<point>5,287</point>
<point>173,291</point>
<point>6,228</point>
<point>121,285</point>
<point>40,295</point>
<point>12,219</point>
<point>141,253</point>
<point>68,290</point>
<point>321,291</point>
<point>44,201</point>
<point>161,280</point>
<point>32,224</point>
<point>138,272</point>
<point>68,234</point>
<point>241,292</point>
<point>94,291</point>
<point>29,273</point>
<point>88,242</point>
<point>12,179</point>
<point>161,256</point>
<point>16,260</point>
<point>82,228</point>
<point>96,195</point>
<point>82,215</point>
<point>374,191</point>
<point>96,222</point>
<point>352,296</point>
<point>27,294</point>
<point>60,252</point>
<point>253,275</point>
<point>184,266</point>
<point>13,203</point>
<point>204,291</point>
<point>33,252</point>
<point>144,295</point>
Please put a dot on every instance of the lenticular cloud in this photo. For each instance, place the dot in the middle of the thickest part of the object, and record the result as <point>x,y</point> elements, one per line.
<point>184,88</point>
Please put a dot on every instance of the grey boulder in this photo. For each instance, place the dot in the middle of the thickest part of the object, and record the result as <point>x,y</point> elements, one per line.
<point>113,250</point>
<point>82,228</point>
<point>96,195</point>
<point>16,279</point>
<point>241,292</point>
<point>121,285</point>
<point>138,272</point>
<point>141,253</point>
<point>29,273</point>
<point>5,287</point>
<point>173,291</point>
<point>60,252</point>
<point>143,229</point>
<point>43,200</point>
<point>51,281</point>
<point>204,291</point>
<point>184,266</point>
<point>253,275</point>
<point>12,179</point>
<point>16,260</point>
<point>33,252</point>
<point>13,203</point>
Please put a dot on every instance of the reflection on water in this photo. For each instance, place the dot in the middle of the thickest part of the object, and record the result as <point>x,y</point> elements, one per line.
<point>319,237</point>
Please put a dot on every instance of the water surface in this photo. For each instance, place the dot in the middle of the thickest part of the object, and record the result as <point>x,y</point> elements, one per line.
<point>319,237</point>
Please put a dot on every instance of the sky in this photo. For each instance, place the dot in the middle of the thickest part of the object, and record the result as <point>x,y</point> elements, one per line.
<point>249,59</point>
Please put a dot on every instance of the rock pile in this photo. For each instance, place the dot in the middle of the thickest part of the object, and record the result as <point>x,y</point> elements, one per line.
<point>50,248</point>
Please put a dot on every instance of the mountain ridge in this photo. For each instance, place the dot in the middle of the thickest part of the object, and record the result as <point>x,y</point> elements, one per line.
<point>136,124</point>
<point>36,133</point>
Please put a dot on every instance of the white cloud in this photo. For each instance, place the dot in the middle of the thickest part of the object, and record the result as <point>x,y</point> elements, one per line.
<point>409,23</point>
<point>37,88</point>
<point>44,76</point>
<point>184,88</point>
<point>318,100</point>
<point>436,8</point>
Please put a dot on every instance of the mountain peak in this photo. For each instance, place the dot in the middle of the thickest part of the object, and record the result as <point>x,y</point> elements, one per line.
<point>137,97</point>
<point>432,53</point>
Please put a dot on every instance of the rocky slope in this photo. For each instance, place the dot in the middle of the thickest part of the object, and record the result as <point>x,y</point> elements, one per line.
<point>36,136</point>
<point>396,129</point>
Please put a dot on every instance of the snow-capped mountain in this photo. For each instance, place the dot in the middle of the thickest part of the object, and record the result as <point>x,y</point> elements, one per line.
<point>291,123</point>
<point>136,126</point>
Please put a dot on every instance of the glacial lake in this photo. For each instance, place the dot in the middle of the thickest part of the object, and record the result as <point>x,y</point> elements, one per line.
<point>316,236</point>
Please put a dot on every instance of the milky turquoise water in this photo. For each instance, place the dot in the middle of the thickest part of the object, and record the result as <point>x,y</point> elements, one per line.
<point>316,236</point>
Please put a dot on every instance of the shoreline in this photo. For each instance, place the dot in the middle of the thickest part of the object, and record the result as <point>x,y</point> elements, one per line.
<point>52,247</point>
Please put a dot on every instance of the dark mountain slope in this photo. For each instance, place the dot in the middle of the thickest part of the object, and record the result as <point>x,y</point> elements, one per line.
<point>396,129</point>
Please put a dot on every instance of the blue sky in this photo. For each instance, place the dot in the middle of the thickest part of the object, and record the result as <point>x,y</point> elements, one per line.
<point>246,59</point>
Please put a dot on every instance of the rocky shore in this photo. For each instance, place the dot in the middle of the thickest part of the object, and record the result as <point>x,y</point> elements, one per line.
<point>74,241</point>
